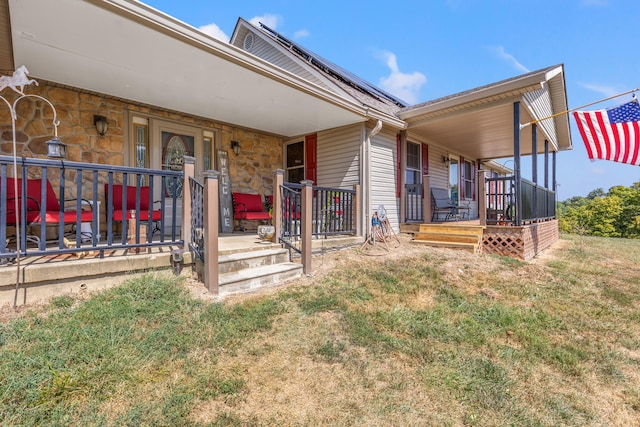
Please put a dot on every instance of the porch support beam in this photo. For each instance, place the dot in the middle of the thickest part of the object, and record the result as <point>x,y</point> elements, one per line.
<point>534,168</point>
<point>401,178</point>
<point>356,216</point>
<point>189,169</point>
<point>211,223</point>
<point>554,183</point>
<point>516,161</point>
<point>306,225</point>
<point>276,209</point>
<point>553,173</point>
<point>534,153</point>
<point>482,197</point>
<point>546,164</point>
<point>426,199</point>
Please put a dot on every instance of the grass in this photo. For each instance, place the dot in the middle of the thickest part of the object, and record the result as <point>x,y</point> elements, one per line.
<point>415,340</point>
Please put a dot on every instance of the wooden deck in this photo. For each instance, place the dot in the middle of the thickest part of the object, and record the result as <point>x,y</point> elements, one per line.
<point>520,242</point>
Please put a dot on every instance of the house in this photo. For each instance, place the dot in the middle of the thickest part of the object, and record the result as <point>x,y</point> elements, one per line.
<point>391,159</point>
<point>167,90</point>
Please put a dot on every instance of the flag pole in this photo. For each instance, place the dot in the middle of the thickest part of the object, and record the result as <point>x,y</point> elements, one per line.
<point>577,108</point>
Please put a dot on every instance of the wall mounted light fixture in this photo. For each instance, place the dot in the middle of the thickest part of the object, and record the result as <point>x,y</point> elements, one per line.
<point>101,124</point>
<point>446,160</point>
<point>235,146</point>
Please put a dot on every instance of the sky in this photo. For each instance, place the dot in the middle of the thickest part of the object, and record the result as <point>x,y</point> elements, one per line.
<point>422,50</point>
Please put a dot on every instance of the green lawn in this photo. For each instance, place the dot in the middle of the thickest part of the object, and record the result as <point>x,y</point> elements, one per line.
<point>440,338</point>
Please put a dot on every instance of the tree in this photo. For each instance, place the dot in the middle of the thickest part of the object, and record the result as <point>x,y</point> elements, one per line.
<point>598,192</point>
<point>612,214</point>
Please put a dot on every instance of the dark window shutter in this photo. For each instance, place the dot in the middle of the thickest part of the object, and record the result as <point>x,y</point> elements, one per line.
<point>399,167</point>
<point>311,173</point>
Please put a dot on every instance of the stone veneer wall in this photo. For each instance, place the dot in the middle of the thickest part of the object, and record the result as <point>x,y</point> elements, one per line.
<point>520,242</point>
<point>252,171</point>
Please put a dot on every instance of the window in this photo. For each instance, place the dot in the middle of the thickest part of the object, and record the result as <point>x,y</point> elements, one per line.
<point>141,134</point>
<point>295,162</point>
<point>207,141</point>
<point>453,178</point>
<point>467,179</point>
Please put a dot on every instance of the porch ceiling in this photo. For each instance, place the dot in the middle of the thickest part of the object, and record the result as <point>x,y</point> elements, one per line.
<point>128,50</point>
<point>480,123</point>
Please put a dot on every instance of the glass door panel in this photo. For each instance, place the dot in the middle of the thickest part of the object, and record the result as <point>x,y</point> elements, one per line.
<point>174,148</point>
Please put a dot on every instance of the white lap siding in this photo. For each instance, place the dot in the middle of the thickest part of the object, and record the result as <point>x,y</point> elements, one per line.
<point>384,161</point>
<point>338,157</point>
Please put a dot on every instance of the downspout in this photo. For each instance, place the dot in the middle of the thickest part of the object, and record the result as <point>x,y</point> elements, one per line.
<point>367,171</point>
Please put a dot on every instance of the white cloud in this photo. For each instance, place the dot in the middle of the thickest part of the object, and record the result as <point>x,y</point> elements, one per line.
<point>267,19</point>
<point>404,86</point>
<point>214,31</point>
<point>502,54</point>
<point>605,90</point>
<point>300,34</point>
<point>598,170</point>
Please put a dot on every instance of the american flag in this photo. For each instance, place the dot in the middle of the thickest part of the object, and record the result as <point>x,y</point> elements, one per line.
<point>612,134</point>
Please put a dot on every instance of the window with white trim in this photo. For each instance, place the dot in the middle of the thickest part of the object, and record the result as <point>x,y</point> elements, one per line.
<point>294,156</point>
<point>467,179</point>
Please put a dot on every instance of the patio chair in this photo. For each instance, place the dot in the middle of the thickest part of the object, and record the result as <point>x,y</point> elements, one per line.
<point>249,207</point>
<point>43,212</point>
<point>442,203</point>
<point>126,212</point>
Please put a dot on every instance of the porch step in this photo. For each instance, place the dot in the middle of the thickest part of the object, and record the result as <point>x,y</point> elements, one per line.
<point>452,228</point>
<point>452,236</point>
<point>257,258</point>
<point>255,268</point>
<point>469,247</point>
<point>446,237</point>
<point>410,228</point>
<point>249,279</point>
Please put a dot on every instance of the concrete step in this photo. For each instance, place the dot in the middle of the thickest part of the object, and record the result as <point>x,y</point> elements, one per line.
<point>469,247</point>
<point>256,277</point>
<point>229,263</point>
<point>448,237</point>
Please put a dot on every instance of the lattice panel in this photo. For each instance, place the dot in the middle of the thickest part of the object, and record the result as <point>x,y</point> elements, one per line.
<point>520,242</point>
<point>504,243</point>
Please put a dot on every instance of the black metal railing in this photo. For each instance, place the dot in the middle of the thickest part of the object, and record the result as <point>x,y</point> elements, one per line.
<point>414,203</point>
<point>537,202</point>
<point>75,201</point>
<point>331,213</point>
<point>500,200</point>
<point>197,218</point>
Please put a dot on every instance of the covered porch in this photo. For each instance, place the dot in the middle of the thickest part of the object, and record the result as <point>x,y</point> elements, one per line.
<point>519,120</point>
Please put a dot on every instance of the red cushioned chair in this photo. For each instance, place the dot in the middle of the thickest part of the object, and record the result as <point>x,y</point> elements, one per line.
<point>41,212</point>
<point>248,207</point>
<point>52,207</point>
<point>146,210</point>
